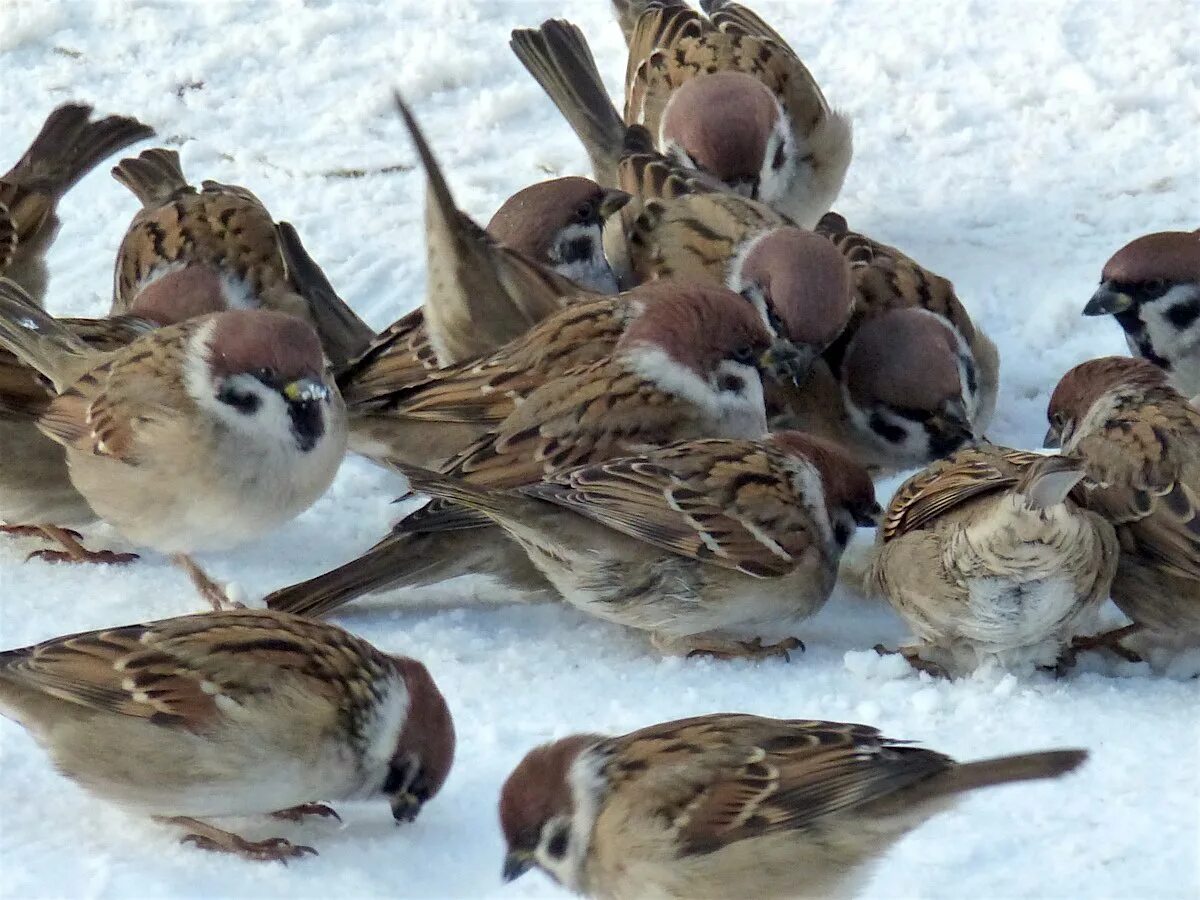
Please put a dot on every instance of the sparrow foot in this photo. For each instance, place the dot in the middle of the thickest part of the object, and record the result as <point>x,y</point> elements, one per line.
<point>1107,640</point>
<point>34,531</point>
<point>304,810</point>
<point>212,591</point>
<point>206,837</point>
<point>73,551</point>
<point>754,649</point>
<point>914,659</point>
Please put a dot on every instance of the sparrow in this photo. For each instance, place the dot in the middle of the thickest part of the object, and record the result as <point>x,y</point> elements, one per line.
<point>1139,442</point>
<point>906,393</point>
<point>986,557</point>
<point>706,545</point>
<point>884,279</point>
<point>234,713</point>
<point>482,292</point>
<point>687,367</point>
<point>733,805</point>
<point>1151,286</point>
<point>68,146</point>
<point>194,437</point>
<point>721,93</point>
<point>220,240</point>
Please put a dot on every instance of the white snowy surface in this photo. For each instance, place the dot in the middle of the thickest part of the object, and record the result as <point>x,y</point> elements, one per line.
<point>1010,146</point>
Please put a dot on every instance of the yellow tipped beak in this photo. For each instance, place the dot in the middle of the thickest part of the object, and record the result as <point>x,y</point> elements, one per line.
<point>304,390</point>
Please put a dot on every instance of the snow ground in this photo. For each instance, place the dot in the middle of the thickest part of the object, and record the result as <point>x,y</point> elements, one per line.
<point>1011,147</point>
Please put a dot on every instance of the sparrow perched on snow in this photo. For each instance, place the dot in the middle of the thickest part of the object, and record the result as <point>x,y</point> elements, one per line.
<point>233,714</point>
<point>198,436</point>
<point>686,367</point>
<point>68,146</point>
<point>222,241</point>
<point>733,805</point>
<point>904,395</point>
<point>1151,286</point>
<point>485,289</point>
<point>722,93</point>
<point>986,557</point>
<point>707,545</point>
<point>1139,442</point>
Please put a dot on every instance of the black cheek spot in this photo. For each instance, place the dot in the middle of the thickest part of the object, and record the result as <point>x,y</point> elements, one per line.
<point>969,369</point>
<point>893,434</point>
<point>734,384</point>
<point>778,159</point>
<point>557,847</point>
<point>577,250</point>
<point>1181,315</point>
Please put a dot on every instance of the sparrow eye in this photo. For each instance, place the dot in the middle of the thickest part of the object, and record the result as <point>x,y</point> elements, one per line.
<point>266,375</point>
<point>1154,286</point>
<point>745,356</point>
<point>584,213</point>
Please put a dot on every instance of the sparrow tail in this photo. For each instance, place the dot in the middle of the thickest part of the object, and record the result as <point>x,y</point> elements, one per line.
<point>154,176</point>
<point>38,339</point>
<point>1001,770</point>
<point>558,57</point>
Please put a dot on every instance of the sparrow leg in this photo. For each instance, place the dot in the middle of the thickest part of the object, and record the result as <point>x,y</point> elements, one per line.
<point>754,649</point>
<point>206,837</point>
<point>75,552</point>
<point>298,813</point>
<point>212,591</point>
<point>914,659</point>
<point>1110,640</point>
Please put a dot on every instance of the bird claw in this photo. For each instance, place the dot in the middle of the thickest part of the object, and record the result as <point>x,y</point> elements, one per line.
<point>753,649</point>
<point>914,660</point>
<point>297,813</point>
<point>103,557</point>
<point>1108,640</point>
<point>270,850</point>
<point>34,531</point>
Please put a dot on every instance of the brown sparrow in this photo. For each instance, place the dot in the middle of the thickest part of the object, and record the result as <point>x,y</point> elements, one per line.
<point>1139,442</point>
<point>906,393</point>
<point>721,93</point>
<point>233,714</point>
<point>68,147</point>
<point>987,558</point>
<point>482,293</point>
<point>197,436</point>
<point>1151,286</point>
<point>220,240</point>
<point>733,805</point>
<point>686,368</point>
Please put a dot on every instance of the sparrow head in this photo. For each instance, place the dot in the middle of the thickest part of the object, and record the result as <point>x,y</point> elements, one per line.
<point>910,384</point>
<point>425,747</point>
<point>1161,269</point>
<point>537,811</point>
<point>849,491</point>
<point>799,283</point>
<point>560,223</point>
<point>181,294</point>
<point>1080,389</point>
<point>730,126</point>
<point>263,374</point>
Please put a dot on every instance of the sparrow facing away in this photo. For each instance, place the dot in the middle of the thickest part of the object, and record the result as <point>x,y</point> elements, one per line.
<point>233,714</point>
<point>721,93</point>
<point>733,805</point>
<point>906,393</point>
<point>222,240</point>
<point>194,437</point>
<point>1139,442</point>
<point>68,146</point>
<point>686,368</point>
<point>707,545</point>
<point>986,557</point>
<point>482,293</point>
<point>1151,286</point>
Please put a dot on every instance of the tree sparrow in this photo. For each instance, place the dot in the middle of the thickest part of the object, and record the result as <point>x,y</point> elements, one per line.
<point>1151,286</point>
<point>685,368</point>
<point>707,545</point>
<point>733,805</point>
<point>233,714</point>
<point>721,93</point>
<point>68,147</point>
<point>1139,442</point>
<point>986,557</point>
<point>219,240</point>
<point>194,437</point>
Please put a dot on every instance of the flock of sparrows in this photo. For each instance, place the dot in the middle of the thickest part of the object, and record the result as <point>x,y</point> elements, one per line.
<point>660,396</point>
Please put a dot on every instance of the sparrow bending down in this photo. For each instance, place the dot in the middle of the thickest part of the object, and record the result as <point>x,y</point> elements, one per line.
<point>219,240</point>
<point>197,436</point>
<point>68,146</point>
<point>733,805</point>
<point>987,556</point>
<point>1151,286</point>
<point>233,714</point>
<point>1138,440</point>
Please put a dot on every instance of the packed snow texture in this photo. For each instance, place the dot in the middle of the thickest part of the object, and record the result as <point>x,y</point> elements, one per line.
<point>1009,146</point>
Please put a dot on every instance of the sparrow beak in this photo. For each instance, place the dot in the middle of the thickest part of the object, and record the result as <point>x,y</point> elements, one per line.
<point>1107,301</point>
<point>1053,439</point>
<point>405,807</point>
<point>867,517</point>
<point>612,201</point>
<point>785,362</point>
<point>516,864</point>
<point>304,390</point>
